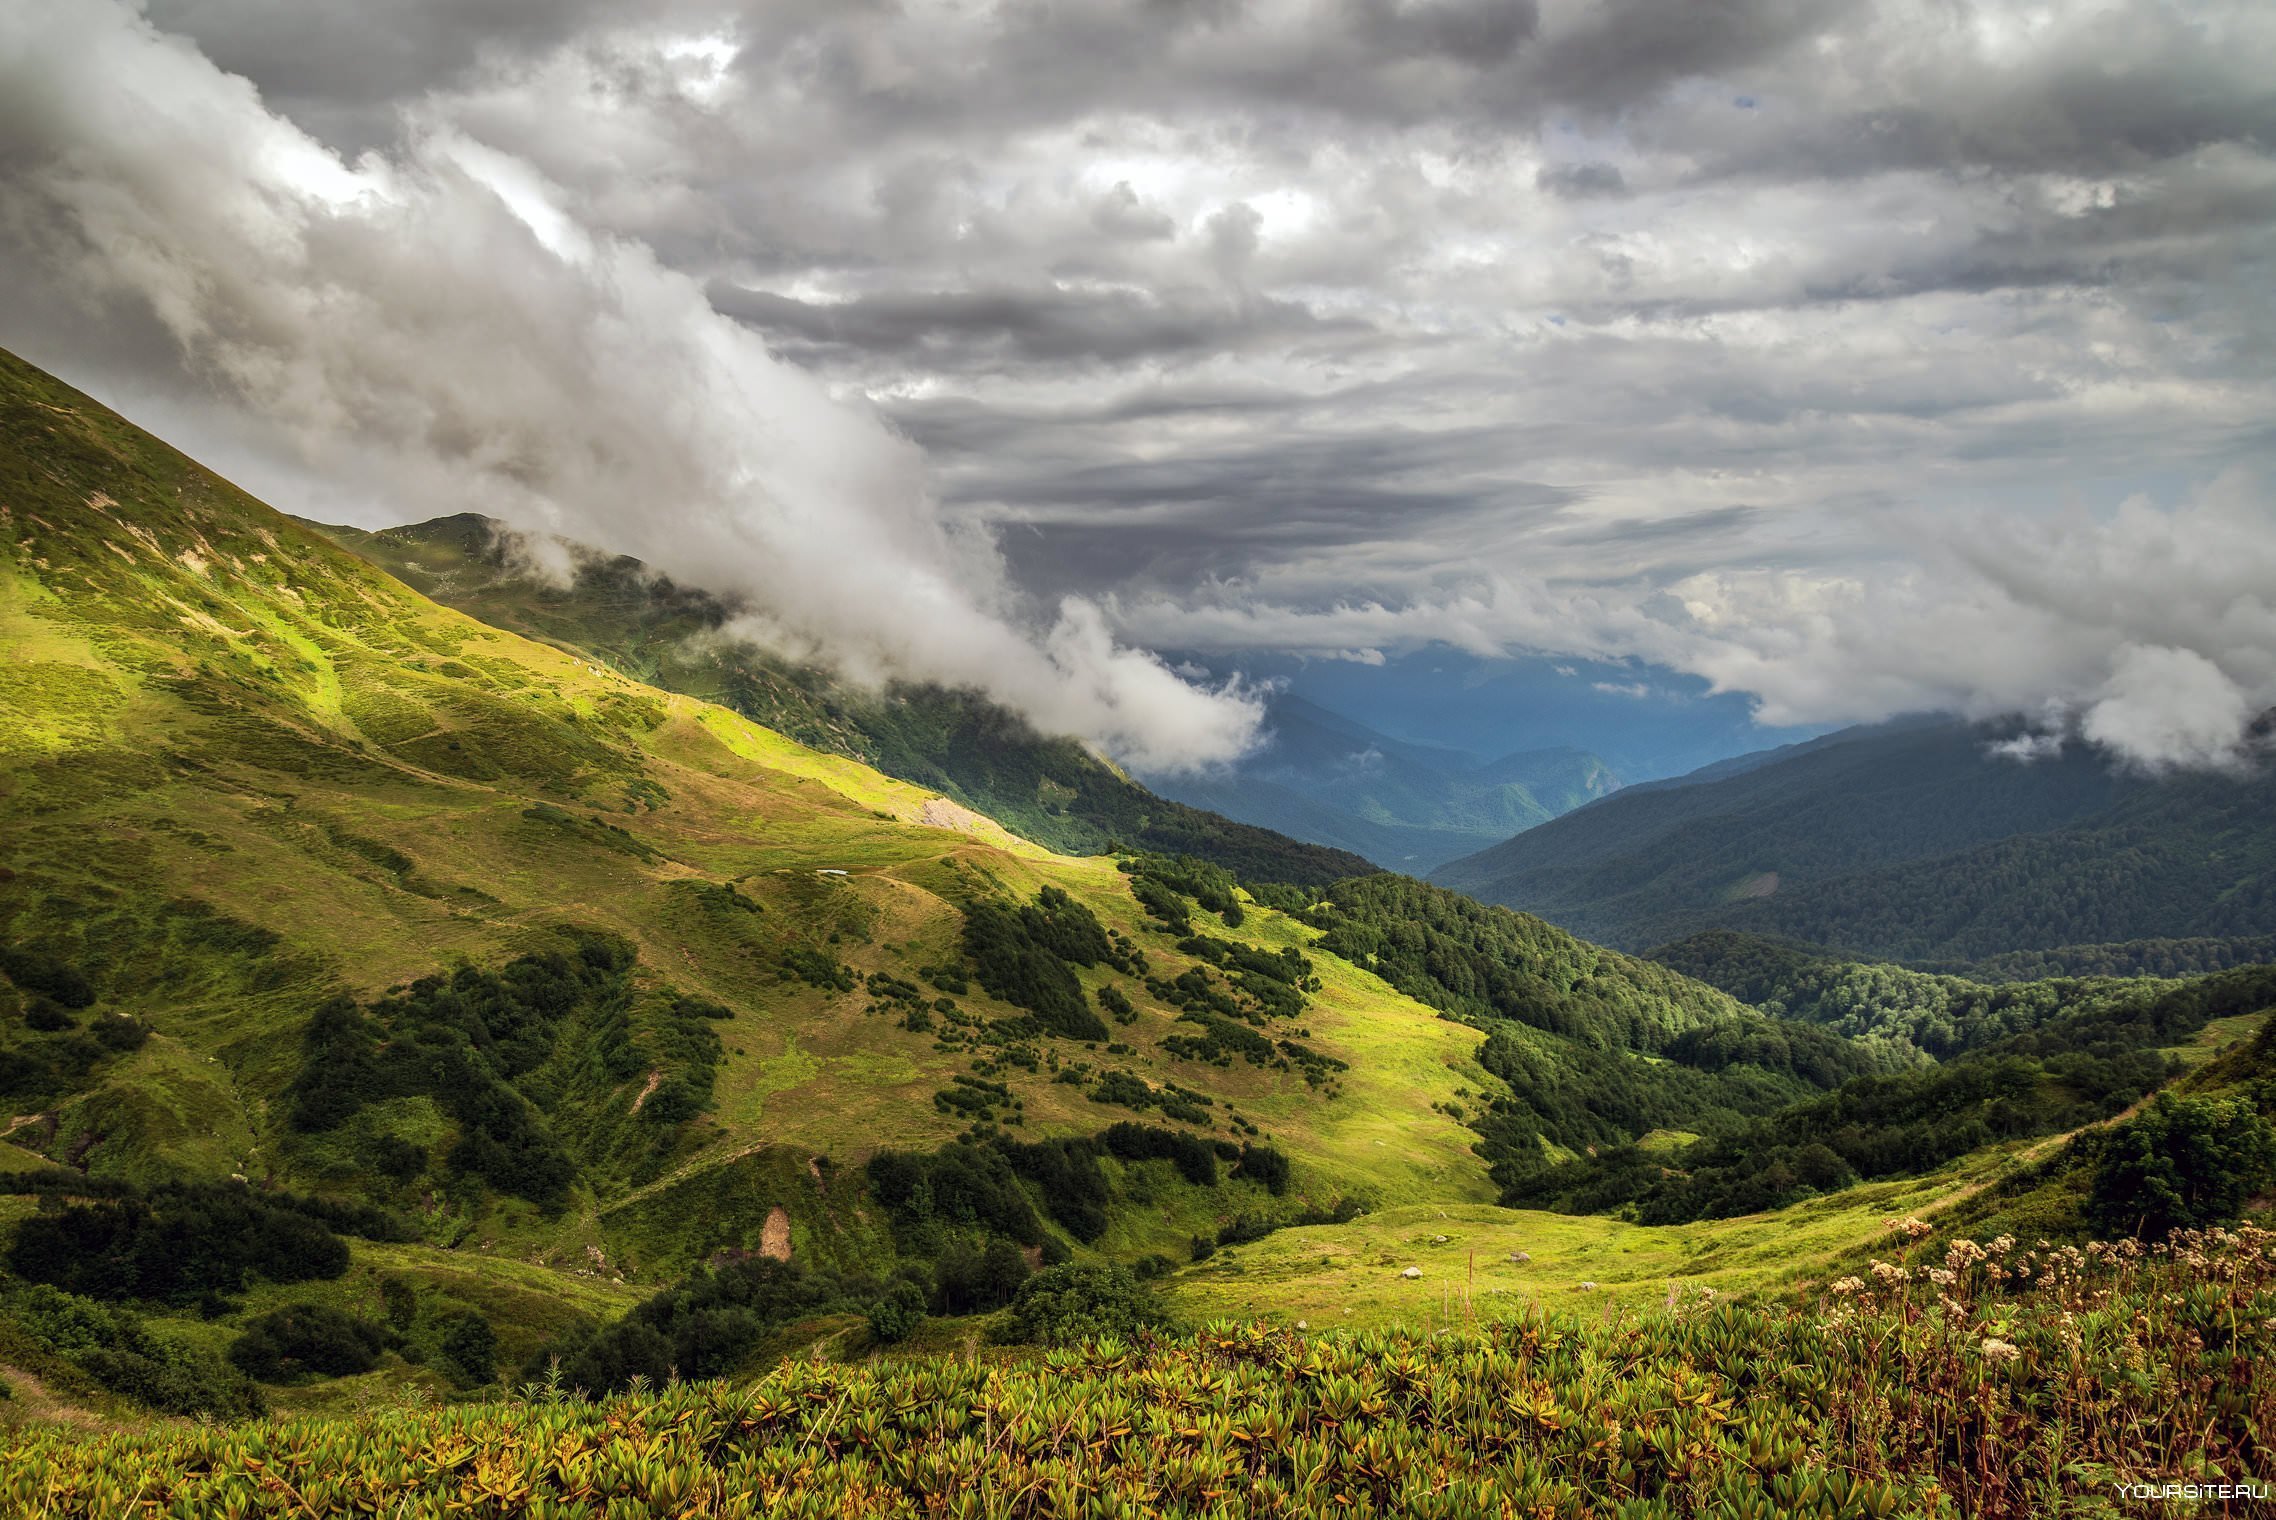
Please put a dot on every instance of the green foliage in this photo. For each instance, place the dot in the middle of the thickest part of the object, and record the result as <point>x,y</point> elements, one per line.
<point>1025,956</point>
<point>39,971</point>
<point>2181,1164</point>
<point>2069,1071</point>
<point>117,1348</point>
<point>1845,1406</point>
<point>1265,1166</point>
<point>1938,1014</point>
<point>704,1326</point>
<point>178,1244</point>
<point>305,1340</point>
<point>976,1279</point>
<point>957,1189</point>
<point>528,1060</point>
<point>468,1350</point>
<point>815,969</point>
<point>1067,1305</point>
<point>1194,1157</point>
<point>894,1317</point>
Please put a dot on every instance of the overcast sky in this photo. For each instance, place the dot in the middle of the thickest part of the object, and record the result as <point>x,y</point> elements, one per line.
<point>1860,357</point>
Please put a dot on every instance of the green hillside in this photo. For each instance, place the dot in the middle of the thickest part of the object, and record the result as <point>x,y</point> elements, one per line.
<point>958,743</point>
<point>511,988</point>
<point>1912,843</point>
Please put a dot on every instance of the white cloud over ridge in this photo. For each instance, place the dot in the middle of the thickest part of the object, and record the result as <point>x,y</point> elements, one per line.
<point>436,320</point>
<point>1864,356</point>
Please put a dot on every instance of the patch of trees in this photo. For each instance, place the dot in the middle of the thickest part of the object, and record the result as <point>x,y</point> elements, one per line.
<point>1274,983</point>
<point>58,1058</point>
<point>300,1341</point>
<point>116,1347</point>
<point>989,1187</point>
<point>1941,1015</point>
<point>1480,964</point>
<point>2127,958</point>
<point>493,1050</point>
<point>180,1243</point>
<point>815,969</point>
<point>1064,1305</point>
<point>1195,1158</point>
<point>2067,1072</point>
<point>1161,884</point>
<point>46,975</point>
<point>705,1325</point>
<point>1026,955</point>
<point>1131,1091</point>
<point>2181,1164</point>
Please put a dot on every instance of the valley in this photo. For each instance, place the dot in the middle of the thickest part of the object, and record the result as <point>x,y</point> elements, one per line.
<point>421,999</point>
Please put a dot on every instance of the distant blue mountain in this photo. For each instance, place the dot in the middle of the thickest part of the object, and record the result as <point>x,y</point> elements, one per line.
<point>1323,777</point>
<point>1643,721</point>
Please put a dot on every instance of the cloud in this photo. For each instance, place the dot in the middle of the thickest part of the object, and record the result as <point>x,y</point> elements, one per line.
<point>2149,631</point>
<point>1803,345</point>
<point>436,321</point>
<point>2169,708</point>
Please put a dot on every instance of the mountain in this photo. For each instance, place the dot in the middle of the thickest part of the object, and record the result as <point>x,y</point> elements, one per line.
<point>394,1006</point>
<point>1644,721</point>
<point>615,609</point>
<point>1321,776</point>
<point>357,953</point>
<point>1909,842</point>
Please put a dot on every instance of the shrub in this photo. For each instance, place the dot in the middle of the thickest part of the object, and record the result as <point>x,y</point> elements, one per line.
<point>974,1280</point>
<point>1021,957</point>
<point>1264,1165</point>
<point>895,1317</point>
<point>1062,1305</point>
<point>180,1244</point>
<point>117,1349</point>
<point>39,972</point>
<point>469,1350</point>
<point>1195,1160</point>
<point>47,1016</point>
<point>301,1339</point>
<point>2180,1164</point>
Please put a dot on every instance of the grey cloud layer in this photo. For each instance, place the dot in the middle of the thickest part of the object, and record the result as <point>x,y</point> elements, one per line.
<point>1781,341</point>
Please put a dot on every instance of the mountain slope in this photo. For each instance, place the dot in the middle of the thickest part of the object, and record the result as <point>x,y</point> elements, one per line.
<point>245,772</point>
<point>959,743</point>
<point>1909,842</point>
<point>311,880</point>
<point>1321,776</point>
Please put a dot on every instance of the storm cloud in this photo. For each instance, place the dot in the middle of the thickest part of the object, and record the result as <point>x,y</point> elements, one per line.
<point>1860,355</point>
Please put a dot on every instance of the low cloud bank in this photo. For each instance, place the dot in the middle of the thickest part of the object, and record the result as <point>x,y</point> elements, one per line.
<point>430,322</point>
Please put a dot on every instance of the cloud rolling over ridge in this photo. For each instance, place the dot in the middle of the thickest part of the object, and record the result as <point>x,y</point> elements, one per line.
<point>434,322</point>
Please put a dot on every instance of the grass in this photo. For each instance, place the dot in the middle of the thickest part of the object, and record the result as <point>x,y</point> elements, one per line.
<point>1469,1257</point>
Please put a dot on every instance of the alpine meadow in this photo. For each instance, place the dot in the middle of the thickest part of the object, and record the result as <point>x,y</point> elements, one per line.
<point>1412,758</point>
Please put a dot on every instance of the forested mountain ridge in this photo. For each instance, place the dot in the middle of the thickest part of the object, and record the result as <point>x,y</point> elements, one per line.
<point>1912,843</point>
<point>681,638</point>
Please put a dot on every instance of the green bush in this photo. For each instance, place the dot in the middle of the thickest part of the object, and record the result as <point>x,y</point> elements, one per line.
<point>469,1350</point>
<point>2180,1164</point>
<point>895,1317</point>
<point>116,1348</point>
<point>1063,1305</point>
<point>300,1340</point>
